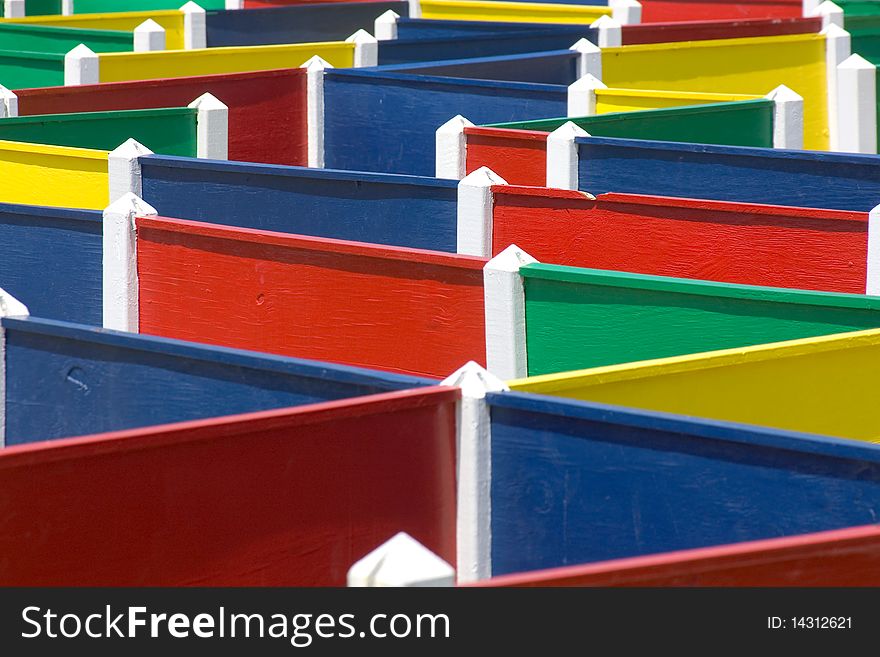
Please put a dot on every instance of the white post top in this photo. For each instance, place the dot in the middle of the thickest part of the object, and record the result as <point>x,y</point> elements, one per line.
<point>483,177</point>
<point>192,8</point>
<point>316,63</point>
<point>474,380</point>
<point>401,561</point>
<point>510,260</point>
<point>11,307</point>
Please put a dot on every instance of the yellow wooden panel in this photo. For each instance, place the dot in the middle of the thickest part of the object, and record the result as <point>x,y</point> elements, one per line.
<point>517,12</point>
<point>825,385</point>
<point>631,100</point>
<point>35,174</point>
<point>172,21</point>
<point>120,66</point>
<point>740,66</point>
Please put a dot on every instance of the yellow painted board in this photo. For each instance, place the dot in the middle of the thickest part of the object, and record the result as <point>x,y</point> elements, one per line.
<point>516,12</point>
<point>35,174</point>
<point>631,100</point>
<point>826,385</point>
<point>172,21</point>
<point>740,66</point>
<point>121,66</point>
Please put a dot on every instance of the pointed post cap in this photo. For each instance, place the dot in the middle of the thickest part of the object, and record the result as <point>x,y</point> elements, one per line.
<point>401,561</point>
<point>568,131</point>
<point>455,125</point>
<point>11,307</point>
<point>856,62</point>
<point>474,380</point>
<point>784,93</point>
<point>149,25</point>
<point>482,177</point>
<point>316,63</point>
<point>606,22</point>
<point>588,81</point>
<point>361,36</point>
<point>389,16</point>
<point>207,101</point>
<point>826,7</point>
<point>510,260</point>
<point>192,8</point>
<point>130,149</point>
<point>584,46</point>
<point>834,30</point>
<point>131,204</point>
<point>82,51</point>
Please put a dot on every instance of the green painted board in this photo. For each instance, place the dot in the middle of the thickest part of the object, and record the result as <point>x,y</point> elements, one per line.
<point>42,7</point>
<point>39,38</point>
<point>107,6</point>
<point>169,131</point>
<point>740,123</point>
<point>858,8</point>
<point>579,318</point>
<point>21,70</point>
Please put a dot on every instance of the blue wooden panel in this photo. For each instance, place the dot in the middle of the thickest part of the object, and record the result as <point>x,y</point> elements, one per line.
<point>404,211</point>
<point>421,28</point>
<point>472,45</point>
<point>386,121</point>
<point>549,67</point>
<point>574,482</point>
<point>67,379</point>
<point>728,173</point>
<point>295,24</point>
<point>50,259</point>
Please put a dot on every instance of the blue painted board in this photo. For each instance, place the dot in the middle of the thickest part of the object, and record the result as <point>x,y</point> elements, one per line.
<point>386,122</point>
<point>839,181</point>
<point>574,482</point>
<point>422,28</point>
<point>66,379</point>
<point>406,211</point>
<point>334,21</point>
<point>50,259</point>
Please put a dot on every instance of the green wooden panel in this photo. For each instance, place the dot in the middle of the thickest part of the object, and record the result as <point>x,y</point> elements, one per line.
<point>578,318</point>
<point>106,6</point>
<point>170,131</point>
<point>858,8</point>
<point>741,123</point>
<point>21,70</point>
<point>38,38</point>
<point>42,7</point>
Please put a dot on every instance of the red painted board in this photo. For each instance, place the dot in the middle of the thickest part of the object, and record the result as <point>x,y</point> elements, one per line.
<point>843,557</point>
<point>267,109</point>
<point>518,156</point>
<point>717,29</point>
<point>289,497</point>
<point>658,11</point>
<point>730,242</point>
<point>403,310</point>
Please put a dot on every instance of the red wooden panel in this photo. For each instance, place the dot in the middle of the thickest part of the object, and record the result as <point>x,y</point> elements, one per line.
<point>657,11</point>
<point>730,242</point>
<point>845,557</point>
<point>717,29</point>
<point>289,497</point>
<point>518,156</point>
<point>267,109</point>
<point>402,310</point>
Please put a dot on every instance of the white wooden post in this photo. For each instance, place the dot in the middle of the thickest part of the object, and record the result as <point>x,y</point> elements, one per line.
<point>475,201</point>
<point>124,169</point>
<point>590,61</point>
<point>809,6</point>
<point>234,4</point>
<point>451,148</point>
<point>9,307</point>
<point>831,14</point>
<point>401,561</point>
<point>81,66</point>
<point>67,8</point>
<point>149,36</point>
<point>315,108</point>
<point>212,127</point>
<point>505,311</point>
<point>120,281</point>
<point>837,49</point>
<point>610,32</point>
<point>366,49</point>
<point>857,105</point>
<point>474,449</point>
<point>562,156</point>
<point>13,8</point>
<point>582,95</point>
<point>626,12</point>
<point>415,9</point>
<point>385,26</point>
<point>872,282</point>
<point>194,26</point>
<point>8,102</point>
<point>788,118</point>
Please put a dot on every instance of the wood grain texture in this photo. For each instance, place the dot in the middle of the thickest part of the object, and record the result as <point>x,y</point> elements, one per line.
<point>842,557</point>
<point>386,121</point>
<point>279,498</point>
<point>578,483</point>
<point>728,28</point>
<point>406,211</point>
<point>742,66</point>
<point>750,175</point>
<point>267,109</point>
<point>69,379</point>
<point>346,302</point>
<point>518,156</point>
<point>557,67</point>
<point>654,11</point>
<point>579,318</point>
<point>729,242</point>
<point>816,385</point>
